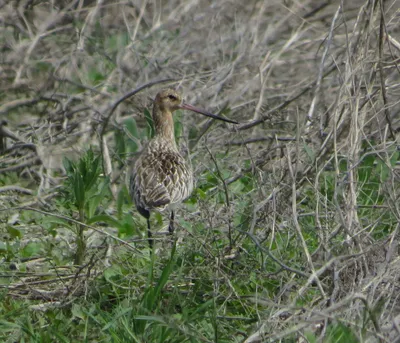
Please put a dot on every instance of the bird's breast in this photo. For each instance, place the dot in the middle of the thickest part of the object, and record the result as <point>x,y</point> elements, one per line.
<point>161,176</point>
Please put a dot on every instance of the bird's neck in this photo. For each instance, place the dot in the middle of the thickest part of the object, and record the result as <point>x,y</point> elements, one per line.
<point>163,124</point>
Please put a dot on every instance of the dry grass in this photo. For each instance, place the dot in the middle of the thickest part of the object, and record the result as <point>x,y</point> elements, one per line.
<point>315,87</point>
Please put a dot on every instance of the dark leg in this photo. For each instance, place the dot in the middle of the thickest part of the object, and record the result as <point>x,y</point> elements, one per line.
<point>149,235</point>
<point>146,213</point>
<point>171,226</point>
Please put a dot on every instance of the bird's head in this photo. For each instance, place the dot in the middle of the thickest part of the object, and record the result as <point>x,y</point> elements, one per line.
<point>170,100</point>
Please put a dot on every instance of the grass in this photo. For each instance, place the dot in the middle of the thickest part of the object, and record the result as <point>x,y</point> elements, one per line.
<point>291,233</point>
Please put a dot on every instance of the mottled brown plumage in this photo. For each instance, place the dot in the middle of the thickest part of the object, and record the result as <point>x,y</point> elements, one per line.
<point>161,177</point>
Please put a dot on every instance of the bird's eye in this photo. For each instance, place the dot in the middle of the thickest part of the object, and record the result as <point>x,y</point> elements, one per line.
<point>172,97</point>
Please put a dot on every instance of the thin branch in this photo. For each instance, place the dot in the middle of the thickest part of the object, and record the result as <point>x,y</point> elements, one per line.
<point>381,73</point>
<point>286,103</point>
<point>226,194</point>
<point>17,189</point>
<point>75,222</point>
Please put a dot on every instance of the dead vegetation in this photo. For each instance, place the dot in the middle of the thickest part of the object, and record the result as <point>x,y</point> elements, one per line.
<point>315,86</point>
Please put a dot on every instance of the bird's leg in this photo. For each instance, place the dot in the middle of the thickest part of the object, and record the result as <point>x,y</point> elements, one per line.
<point>171,227</point>
<point>149,235</point>
<point>146,213</point>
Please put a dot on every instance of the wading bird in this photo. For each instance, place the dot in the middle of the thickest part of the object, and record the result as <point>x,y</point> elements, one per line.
<point>161,177</point>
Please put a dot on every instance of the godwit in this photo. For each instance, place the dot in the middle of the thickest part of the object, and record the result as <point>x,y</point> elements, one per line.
<point>161,177</point>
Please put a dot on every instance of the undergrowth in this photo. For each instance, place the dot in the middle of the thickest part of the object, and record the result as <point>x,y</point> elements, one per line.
<point>291,232</point>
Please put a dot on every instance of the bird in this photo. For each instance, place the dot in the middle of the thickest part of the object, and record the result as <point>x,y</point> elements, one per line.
<point>161,177</point>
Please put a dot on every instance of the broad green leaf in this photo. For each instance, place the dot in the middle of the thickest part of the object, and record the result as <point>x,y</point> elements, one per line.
<point>14,233</point>
<point>31,249</point>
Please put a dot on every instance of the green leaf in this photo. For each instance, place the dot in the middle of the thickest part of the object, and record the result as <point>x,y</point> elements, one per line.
<point>310,337</point>
<point>112,271</point>
<point>201,194</point>
<point>95,200</point>
<point>79,190</point>
<point>395,157</point>
<point>150,124</point>
<point>131,127</point>
<point>178,127</point>
<point>55,221</point>
<point>157,319</point>
<point>158,217</point>
<point>95,76</point>
<point>105,219</point>
<point>68,166</point>
<point>193,132</point>
<point>77,312</point>
<point>365,170</point>
<point>31,249</point>
<point>14,233</point>
<point>201,308</point>
<point>127,226</point>
<point>339,333</point>
<point>120,146</point>
<point>116,42</point>
<point>90,169</point>
<point>152,295</point>
<point>122,197</point>
<point>309,152</point>
<point>3,247</point>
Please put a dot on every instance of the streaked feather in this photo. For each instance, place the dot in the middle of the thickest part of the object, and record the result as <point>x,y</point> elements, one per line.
<point>161,176</point>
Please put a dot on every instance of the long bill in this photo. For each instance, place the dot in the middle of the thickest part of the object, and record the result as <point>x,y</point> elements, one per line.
<point>205,113</point>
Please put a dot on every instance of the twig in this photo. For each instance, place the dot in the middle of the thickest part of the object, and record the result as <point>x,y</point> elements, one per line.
<point>5,108</point>
<point>286,103</point>
<point>226,195</point>
<point>88,25</point>
<point>28,163</point>
<point>16,189</point>
<point>263,139</point>
<point>315,99</point>
<point>298,229</point>
<point>268,252</point>
<point>75,222</point>
<point>382,27</point>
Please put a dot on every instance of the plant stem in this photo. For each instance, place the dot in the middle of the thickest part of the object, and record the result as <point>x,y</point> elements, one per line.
<point>80,240</point>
